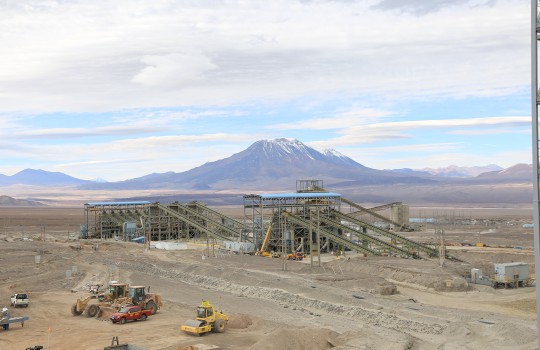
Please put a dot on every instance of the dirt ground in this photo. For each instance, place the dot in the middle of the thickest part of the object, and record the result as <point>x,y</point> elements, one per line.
<point>353,302</point>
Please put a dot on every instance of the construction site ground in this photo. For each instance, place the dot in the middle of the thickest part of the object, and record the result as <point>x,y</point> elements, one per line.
<point>350,302</point>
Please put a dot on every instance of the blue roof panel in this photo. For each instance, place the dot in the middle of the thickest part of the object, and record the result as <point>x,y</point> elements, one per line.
<point>299,195</point>
<point>117,203</point>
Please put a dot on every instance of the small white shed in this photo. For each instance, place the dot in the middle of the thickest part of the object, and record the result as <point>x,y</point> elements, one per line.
<point>512,272</point>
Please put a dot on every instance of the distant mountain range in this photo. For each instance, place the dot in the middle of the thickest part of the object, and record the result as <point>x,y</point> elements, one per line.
<point>40,178</point>
<point>275,165</point>
<point>452,171</point>
<point>6,201</point>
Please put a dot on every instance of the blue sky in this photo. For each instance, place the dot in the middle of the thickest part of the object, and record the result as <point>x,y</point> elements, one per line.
<point>120,89</point>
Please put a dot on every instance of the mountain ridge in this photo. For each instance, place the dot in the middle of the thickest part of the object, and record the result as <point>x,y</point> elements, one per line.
<point>38,177</point>
<point>275,165</point>
<point>272,164</point>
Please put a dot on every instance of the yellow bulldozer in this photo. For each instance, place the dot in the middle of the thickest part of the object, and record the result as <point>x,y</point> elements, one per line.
<point>118,296</point>
<point>208,320</point>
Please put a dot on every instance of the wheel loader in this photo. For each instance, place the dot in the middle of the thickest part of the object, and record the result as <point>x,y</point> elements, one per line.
<point>92,304</point>
<point>208,320</point>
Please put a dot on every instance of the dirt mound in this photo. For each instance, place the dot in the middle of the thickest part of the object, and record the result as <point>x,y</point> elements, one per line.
<point>385,288</point>
<point>361,282</point>
<point>371,339</point>
<point>453,284</point>
<point>105,313</point>
<point>239,321</point>
<point>294,339</point>
<point>423,273</point>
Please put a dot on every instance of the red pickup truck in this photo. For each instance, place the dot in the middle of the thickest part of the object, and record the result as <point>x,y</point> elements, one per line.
<point>130,313</point>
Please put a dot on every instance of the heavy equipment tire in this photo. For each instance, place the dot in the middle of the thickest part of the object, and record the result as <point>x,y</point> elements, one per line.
<point>151,306</point>
<point>92,310</point>
<point>122,320</point>
<point>74,311</point>
<point>143,317</point>
<point>220,325</point>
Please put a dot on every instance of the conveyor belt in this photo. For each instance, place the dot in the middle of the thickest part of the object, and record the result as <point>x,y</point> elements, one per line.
<point>209,220</point>
<point>371,212</point>
<point>212,215</point>
<point>330,235</point>
<point>191,222</point>
<point>382,244</point>
<point>389,234</point>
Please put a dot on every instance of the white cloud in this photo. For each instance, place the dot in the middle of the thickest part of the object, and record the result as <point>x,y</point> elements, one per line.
<point>154,67</point>
<point>506,131</point>
<point>103,55</point>
<point>361,116</point>
<point>357,132</point>
<point>173,71</point>
<point>64,133</point>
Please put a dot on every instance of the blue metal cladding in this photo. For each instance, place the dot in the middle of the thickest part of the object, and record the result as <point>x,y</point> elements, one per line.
<point>299,195</point>
<point>117,203</point>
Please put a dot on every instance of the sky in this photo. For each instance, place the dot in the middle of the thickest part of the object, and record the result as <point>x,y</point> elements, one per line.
<point>120,89</point>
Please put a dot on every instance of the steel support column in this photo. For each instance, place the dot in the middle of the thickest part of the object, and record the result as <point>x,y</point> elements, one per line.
<point>535,153</point>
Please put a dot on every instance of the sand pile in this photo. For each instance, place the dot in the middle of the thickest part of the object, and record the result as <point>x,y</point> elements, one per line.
<point>361,282</point>
<point>239,321</point>
<point>385,288</point>
<point>296,339</point>
<point>453,284</point>
<point>370,339</point>
<point>423,273</point>
<point>105,313</point>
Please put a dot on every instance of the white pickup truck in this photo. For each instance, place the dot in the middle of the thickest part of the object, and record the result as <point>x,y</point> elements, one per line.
<point>20,299</point>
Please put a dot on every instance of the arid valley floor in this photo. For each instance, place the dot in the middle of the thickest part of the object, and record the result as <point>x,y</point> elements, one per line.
<point>353,302</point>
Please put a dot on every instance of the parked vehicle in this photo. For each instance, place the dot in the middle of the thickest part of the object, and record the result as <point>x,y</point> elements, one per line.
<point>295,256</point>
<point>20,299</point>
<point>130,313</point>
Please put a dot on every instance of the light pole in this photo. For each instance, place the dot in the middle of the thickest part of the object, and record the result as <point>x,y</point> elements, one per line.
<point>535,152</point>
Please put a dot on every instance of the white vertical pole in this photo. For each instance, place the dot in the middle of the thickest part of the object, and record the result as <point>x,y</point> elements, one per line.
<point>536,178</point>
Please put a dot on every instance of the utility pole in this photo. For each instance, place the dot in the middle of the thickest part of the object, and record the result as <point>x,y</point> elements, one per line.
<point>439,232</point>
<point>535,152</point>
<point>283,247</point>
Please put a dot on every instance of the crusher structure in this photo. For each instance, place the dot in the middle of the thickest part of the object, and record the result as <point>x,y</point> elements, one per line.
<point>157,222</point>
<point>312,221</point>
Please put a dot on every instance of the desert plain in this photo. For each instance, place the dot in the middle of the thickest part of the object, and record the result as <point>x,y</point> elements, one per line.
<point>348,302</point>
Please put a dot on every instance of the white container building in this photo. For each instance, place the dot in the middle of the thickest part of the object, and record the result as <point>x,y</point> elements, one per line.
<point>514,272</point>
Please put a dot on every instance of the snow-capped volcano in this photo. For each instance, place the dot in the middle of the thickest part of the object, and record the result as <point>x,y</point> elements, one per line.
<point>338,157</point>
<point>279,148</point>
<point>266,164</point>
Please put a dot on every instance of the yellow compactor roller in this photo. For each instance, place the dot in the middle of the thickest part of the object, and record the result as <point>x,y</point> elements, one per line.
<point>208,320</point>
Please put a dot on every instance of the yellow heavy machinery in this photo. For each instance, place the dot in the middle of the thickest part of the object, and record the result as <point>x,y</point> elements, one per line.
<point>148,301</point>
<point>298,256</point>
<point>92,304</point>
<point>262,251</point>
<point>208,320</point>
<point>119,295</point>
<point>116,290</point>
